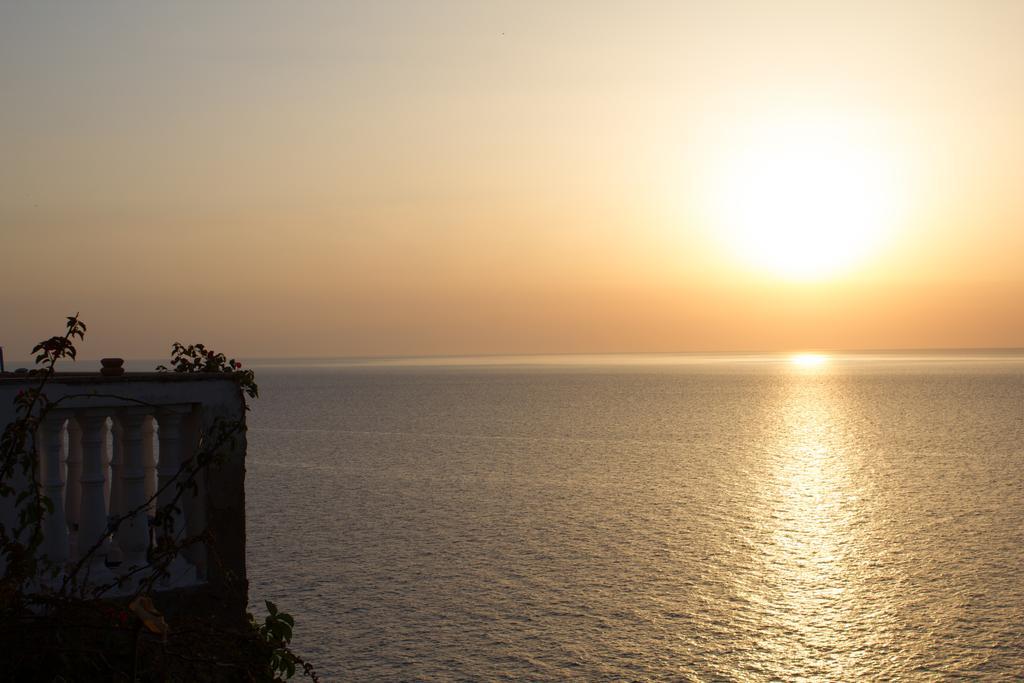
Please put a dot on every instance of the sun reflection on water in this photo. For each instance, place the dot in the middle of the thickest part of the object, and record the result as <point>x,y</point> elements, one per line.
<point>810,579</point>
<point>808,360</point>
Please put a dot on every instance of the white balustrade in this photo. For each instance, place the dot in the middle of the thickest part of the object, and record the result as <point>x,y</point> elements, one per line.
<point>106,464</point>
<point>94,500</point>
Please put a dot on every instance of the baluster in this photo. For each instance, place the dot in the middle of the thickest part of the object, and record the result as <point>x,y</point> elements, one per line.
<point>108,457</point>
<point>92,526</point>
<point>55,529</point>
<point>73,490</point>
<point>149,460</point>
<point>170,462</point>
<point>195,508</point>
<point>133,534</point>
<point>115,505</point>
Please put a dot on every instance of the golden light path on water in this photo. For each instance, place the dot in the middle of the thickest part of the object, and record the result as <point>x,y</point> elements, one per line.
<point>812,589</point>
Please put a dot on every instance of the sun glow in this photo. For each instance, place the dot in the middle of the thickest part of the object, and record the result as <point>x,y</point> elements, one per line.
<point>804,200</point>
<point>808,360</point>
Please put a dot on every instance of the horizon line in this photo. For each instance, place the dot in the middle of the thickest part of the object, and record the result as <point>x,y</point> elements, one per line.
<point>540,354</point>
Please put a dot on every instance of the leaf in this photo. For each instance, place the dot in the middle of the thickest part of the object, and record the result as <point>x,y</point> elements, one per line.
<point>151,618</point>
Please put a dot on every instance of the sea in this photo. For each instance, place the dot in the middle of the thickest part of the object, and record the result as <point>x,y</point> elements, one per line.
<point>750,517</point>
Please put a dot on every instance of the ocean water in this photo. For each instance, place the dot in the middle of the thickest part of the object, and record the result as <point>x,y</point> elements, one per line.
<point>644,518</point>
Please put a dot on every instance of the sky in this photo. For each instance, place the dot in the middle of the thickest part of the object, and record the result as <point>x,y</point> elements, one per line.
<point>282,179</point>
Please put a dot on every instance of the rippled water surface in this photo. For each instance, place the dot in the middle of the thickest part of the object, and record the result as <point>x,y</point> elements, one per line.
<point>718,520</point>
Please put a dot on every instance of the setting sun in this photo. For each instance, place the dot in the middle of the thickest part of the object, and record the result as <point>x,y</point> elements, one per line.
<point>804,199</point>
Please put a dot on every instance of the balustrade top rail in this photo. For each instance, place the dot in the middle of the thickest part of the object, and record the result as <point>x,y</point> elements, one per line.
<point>128,376</point>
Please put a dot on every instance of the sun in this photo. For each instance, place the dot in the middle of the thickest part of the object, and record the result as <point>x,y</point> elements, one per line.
<point>803,200</point>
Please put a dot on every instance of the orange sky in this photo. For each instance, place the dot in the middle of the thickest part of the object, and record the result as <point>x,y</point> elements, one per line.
<point>309,179</point>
